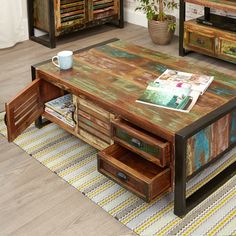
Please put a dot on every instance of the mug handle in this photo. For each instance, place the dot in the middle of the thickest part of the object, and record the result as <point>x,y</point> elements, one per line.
<point>55,57</point>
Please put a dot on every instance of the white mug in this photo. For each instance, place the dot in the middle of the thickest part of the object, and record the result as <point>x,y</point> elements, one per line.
<point>65,60</point>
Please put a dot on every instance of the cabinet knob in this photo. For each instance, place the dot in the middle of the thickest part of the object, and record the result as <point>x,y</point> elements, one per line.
<point>200,41</point>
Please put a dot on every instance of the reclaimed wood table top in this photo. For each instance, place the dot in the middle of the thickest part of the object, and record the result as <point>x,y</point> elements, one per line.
<point>114,75</point>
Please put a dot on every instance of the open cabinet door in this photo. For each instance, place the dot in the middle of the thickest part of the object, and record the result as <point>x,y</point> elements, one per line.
<point>24,109</point>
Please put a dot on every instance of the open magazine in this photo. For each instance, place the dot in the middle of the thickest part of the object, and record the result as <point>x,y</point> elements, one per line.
<point>175,90</point>
<point>62,105</point>
<point>197,82</point>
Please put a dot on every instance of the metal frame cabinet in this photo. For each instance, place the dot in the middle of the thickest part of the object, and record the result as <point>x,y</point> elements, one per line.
<point>206,39</point>
<point>61,17</point>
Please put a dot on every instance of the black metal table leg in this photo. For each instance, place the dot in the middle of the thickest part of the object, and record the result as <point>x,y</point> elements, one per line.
<point>51,16</point>
<point>121,20</point>
<point>182,204</point>
<point>40,122</point>
<point>30,13</point>
<point>182,9</point>
<point>180,176</point>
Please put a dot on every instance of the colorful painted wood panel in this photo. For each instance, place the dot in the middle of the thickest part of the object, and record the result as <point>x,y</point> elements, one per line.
<point>41,20</point>
<point>232,131</point>
<point>210,142</point>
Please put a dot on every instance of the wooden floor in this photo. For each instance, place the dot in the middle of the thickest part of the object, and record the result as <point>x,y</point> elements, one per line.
<point>35,201</point>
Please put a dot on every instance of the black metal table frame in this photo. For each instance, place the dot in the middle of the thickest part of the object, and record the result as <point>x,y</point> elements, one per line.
<point>50,41</point>
<point>182,204</point>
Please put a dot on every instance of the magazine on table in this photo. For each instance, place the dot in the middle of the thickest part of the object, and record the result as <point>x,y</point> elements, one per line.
<point>175,90</point>
<point>59,116</point>
<point>62,105</point>
<point>197,82</point>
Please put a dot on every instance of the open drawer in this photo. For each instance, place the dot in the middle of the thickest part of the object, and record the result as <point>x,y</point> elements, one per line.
<point>133,172</point>
<point>147,145</point>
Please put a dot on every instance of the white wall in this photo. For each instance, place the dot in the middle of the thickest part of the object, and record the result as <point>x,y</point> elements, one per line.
<point>139,18</point>
<point>13,22</point>
<point>25,19</point>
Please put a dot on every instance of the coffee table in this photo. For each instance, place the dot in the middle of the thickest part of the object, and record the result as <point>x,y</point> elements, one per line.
<point>105,81</point>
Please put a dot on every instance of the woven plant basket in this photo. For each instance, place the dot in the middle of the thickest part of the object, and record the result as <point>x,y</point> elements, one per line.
<point>158,30</point>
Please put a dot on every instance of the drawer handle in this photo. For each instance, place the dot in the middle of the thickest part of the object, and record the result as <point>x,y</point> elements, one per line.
<point>200,41</point>
<point>137,142</point>
<point>233,49</point>
<point>122,176</point>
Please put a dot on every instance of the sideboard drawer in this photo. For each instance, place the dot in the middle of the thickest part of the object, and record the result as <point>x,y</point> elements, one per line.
<point>133,172</point>
<point>227,48</point>
<point>145,144</point>
<point>197,38</point>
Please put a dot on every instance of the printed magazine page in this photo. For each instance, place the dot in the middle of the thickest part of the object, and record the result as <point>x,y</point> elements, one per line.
<point>62,105</point>
<point>197,82</point>
<point>59,116</point>
<point>169,97</point>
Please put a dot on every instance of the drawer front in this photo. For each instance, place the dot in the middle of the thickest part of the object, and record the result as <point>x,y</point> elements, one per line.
<point>197,39</point>
<point>123,178</point>
<point>135,173</point>
<point>227,49</point>
<point>201,41</point>
<point>135,142</point>
<point>151,148</point>
<point>94,121</point>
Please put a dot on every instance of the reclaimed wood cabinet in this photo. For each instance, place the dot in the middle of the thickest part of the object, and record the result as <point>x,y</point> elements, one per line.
<point>61,17</point>
<point>212,41</point>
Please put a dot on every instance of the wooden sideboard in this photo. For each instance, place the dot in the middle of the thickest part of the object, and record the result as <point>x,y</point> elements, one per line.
<point>205,39</point>
<point>148,150</point>
<point>61,17</point>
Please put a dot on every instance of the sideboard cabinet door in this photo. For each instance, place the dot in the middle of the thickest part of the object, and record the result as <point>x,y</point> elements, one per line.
<point>102,9</point>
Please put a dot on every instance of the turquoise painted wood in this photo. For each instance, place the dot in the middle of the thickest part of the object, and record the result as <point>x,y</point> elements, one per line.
<point>233,128</point>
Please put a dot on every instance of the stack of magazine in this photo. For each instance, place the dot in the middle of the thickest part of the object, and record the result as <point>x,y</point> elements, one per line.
<point>62,108</point>
<point>176,90</point>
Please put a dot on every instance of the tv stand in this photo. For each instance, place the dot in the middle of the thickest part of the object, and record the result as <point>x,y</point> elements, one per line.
<point>212,40</point>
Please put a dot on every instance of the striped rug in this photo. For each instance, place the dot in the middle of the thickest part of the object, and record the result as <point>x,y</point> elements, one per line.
<point>75,161</point>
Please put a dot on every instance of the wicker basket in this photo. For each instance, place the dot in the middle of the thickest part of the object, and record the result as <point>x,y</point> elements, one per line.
<point>158,30</point>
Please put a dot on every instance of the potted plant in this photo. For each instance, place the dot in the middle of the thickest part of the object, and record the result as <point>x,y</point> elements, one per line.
<point>161,26</point>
